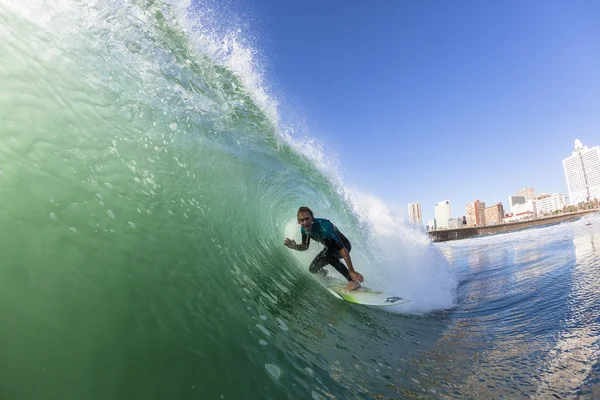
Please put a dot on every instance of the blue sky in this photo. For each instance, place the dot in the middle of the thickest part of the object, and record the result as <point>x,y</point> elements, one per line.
<point>424,101</point>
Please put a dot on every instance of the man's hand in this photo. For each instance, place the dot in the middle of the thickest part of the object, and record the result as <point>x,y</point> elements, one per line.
<point>356,276</point>
<point>290,243</point>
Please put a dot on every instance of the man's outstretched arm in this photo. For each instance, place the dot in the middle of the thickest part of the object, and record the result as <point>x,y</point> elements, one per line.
<point>300,247</point>
<point>293,245</point>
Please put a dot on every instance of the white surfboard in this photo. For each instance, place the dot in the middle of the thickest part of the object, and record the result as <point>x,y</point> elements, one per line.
<point>363,295</point>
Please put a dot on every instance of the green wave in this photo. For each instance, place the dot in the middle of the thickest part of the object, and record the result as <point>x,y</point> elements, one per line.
<point>144,198</point>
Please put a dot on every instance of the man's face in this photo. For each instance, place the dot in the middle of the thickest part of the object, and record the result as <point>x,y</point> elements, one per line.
<point>305,220</point>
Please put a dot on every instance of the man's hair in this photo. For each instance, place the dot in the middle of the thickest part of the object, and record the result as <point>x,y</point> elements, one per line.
<point>305,209</point>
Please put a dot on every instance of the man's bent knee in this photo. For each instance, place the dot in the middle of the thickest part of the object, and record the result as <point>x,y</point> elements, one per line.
<point>314,268</point>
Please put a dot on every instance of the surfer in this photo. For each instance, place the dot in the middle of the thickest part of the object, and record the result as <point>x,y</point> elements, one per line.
<point>337,246</point>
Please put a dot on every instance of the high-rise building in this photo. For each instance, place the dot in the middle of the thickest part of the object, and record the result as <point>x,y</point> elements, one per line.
<point>475,213</point>
<point>528,193</point>
<point>443,213</point>
<point>582,171</point>
<point>494,214</point>
<point>414,214</point>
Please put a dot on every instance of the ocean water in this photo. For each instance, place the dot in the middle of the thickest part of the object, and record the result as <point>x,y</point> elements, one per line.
<point>147,182</point>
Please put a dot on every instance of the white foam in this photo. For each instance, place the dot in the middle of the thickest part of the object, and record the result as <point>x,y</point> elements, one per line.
<point>403,261</point>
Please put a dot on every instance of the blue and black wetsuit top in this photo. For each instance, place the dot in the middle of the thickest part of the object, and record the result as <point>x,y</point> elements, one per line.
<point>323,231</point>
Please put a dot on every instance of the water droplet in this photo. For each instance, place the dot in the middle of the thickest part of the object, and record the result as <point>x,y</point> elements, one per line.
<point>99,196</point>
<point>108,185</point>
<point>111,214</point>
<point>73,229</point>
<point>263,329</point>
<point>273,370</point>
<point>309,371</point>
<point>263,317</point>
<point>131,224</point>
<point>262,342</point>
<point>53,217</point>
<point>282,325</point>
<point>173,126</point>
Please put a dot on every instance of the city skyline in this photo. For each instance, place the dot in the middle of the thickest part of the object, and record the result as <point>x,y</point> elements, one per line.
<point>525,200</point>
<point>405,99</point>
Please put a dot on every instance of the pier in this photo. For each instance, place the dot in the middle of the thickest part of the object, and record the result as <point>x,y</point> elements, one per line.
<point>472,231</point>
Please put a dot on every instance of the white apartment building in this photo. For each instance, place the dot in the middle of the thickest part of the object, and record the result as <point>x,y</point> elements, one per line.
<point>529,208</point>
<point>443,213</point>
<point>432,225</point>
<point>582,171</point>
<point>550,203</point>
<point>514,200</point>
<point>455,223</point>
<point>414,214</point>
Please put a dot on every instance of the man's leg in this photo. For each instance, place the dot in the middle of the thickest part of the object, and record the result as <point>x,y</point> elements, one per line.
<point>334,260</point>
<point>318,263</point>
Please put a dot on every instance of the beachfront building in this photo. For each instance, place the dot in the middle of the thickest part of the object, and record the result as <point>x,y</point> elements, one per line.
<point>528,193</point>
<point>455,223</point>
<point>527,209</point>
<point>519,217</point>
<point>414,214</point>
<point>582,171</point>
<point>475,213</point>
<point>431,225</point>
<point>514,200</point>
<point>443,213</point>
<point>494,214</point>
<point>548,203</point>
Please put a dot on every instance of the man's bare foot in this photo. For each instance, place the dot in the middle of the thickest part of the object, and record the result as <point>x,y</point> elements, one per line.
<point>352,285</point>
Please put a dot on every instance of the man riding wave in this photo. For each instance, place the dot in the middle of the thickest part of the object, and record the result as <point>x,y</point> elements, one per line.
<point>337,246</point>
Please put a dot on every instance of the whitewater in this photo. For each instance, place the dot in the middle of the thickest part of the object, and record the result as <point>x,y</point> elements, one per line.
<point>147,181</point>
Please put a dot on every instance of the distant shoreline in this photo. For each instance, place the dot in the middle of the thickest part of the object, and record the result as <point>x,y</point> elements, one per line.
<point>473,231</point>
